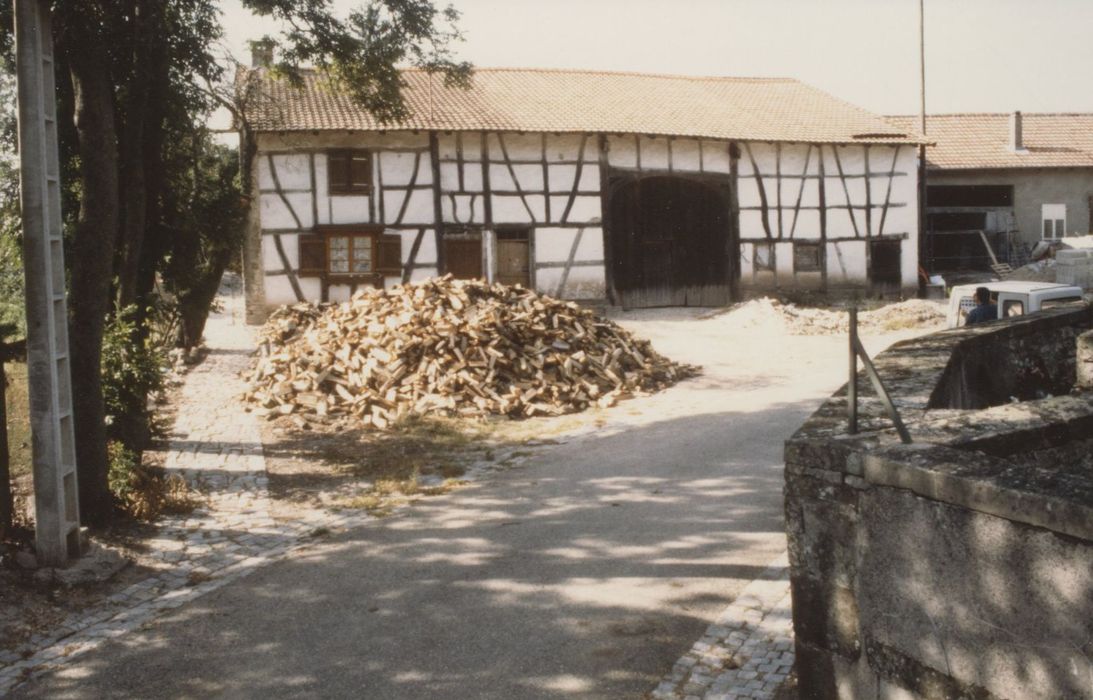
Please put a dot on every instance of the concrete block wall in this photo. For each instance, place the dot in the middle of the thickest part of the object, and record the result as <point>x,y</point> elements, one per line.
<point>959,566</point>
<point>1074,267</point>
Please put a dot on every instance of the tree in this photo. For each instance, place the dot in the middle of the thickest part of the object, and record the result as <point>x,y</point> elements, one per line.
<point>137,78</point>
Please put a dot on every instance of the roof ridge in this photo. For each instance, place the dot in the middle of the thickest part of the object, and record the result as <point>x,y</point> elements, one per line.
<point>590,71</point>
<point>990,114</point>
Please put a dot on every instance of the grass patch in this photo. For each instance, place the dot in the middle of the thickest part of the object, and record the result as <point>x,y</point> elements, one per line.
<point>18,419</point>
<point>412,448</point>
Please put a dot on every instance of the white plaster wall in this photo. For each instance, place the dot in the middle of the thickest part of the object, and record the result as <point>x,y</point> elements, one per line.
<point>422,273</point>
<point>293,170</point>
<point>715,157</point>
<point>271,260</point>
<point>553,245</point>
<point>426,254</point>
<point>343,209</point>
<point>582,282</point>
<point>463,208</point>
<point>584,210</point>
<point>279,290</point>
<point>687,155</point>
<point>419,209</point>
<point>568,146</point>
<point>338,292</point>
<point>783,260</point>
<point>510,209</point>
<point>397,169</point>
<point>276,214</point>
<point>846,262</point>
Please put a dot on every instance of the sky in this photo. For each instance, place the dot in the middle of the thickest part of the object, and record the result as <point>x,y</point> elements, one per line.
<point>981,55</point>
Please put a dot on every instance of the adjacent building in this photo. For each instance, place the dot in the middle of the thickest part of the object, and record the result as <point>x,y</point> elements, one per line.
<point>629,189</point>
<point>1008,179</point>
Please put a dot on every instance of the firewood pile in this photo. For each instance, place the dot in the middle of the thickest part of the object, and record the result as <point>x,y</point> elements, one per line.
<point>448,347</point>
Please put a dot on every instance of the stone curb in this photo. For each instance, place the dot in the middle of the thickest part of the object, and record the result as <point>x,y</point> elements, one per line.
<point>747,652</point>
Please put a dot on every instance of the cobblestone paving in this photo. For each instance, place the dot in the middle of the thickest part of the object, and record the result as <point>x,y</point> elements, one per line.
<point>217,447</point>
<point>747,652</point>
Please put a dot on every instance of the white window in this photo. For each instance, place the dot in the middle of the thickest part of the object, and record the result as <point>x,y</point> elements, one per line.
<point>1054,218</point>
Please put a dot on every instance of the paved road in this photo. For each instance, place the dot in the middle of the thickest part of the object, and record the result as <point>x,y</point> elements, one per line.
<point>584,573</point>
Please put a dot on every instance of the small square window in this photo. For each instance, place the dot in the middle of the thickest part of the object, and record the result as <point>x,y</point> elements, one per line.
<point>1054,220</point>
<point>349,172</point>
<point>806,257</point>
<point>349,254</point>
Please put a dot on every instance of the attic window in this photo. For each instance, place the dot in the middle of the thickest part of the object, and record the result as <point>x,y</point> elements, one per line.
<point>880,136</point>
<point>349,171</point>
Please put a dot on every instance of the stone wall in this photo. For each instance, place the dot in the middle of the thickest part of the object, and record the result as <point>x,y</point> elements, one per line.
<point>960,565</point>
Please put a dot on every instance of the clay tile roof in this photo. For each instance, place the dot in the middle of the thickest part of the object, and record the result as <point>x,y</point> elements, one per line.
<point>982,141</point>
<point>509,99</point>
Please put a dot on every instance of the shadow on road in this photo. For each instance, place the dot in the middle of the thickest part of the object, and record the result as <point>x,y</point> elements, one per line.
<point>585,572</point>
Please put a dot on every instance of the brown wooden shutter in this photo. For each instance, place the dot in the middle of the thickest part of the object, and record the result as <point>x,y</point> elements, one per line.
<point>389,254</point>
<point>337,169</point>
<point>312,255</point>
<point>360,171</point>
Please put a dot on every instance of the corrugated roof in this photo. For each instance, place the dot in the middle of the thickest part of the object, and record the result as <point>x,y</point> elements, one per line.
<point>982,141</point>
<point>535,100</point>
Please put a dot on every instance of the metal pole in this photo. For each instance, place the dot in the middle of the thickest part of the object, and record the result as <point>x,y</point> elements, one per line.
<point>56,509</point>
<point>922,64</point>
<point>922,149</point>
<point>852,384</point>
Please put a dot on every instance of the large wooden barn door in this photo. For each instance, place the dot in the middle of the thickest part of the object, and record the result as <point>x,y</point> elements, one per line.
<point>670,242</point>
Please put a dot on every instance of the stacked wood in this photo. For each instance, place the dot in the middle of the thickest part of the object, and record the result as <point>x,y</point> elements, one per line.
<point>448,347</point>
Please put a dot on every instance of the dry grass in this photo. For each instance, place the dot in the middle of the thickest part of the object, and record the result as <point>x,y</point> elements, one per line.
<point>151,494</point>
<point>18,415</point>
<point>395,461</point>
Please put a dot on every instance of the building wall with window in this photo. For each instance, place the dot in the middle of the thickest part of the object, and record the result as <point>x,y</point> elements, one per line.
<point>337,211</point>
<point>1033,188</point>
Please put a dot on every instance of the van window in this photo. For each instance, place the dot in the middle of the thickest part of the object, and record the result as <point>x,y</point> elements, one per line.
<point>1048,303</point>
<point>1013,307</point>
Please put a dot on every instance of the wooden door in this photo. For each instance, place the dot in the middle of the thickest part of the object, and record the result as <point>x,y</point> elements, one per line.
<point>670,240</point>
<point>463,257</point>
<point>513,258</point>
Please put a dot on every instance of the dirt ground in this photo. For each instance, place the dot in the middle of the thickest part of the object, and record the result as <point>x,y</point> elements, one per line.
<point>314,463</point>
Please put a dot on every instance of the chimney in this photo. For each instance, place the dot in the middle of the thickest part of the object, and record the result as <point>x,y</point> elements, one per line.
<point>261,53</point>
<point>1016,144</point>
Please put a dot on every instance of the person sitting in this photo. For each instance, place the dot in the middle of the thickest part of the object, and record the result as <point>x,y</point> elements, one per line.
<point>984,310</point>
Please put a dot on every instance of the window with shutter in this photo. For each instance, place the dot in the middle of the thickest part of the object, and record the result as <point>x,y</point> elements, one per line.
<point>312,255</point>
<point>349,171</point>
<point>389,254</point>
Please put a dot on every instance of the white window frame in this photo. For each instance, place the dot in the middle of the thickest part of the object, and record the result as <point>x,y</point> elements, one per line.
<point>1050,217</point>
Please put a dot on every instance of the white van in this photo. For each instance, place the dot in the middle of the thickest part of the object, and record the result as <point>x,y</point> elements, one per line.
<point>1013,298</point>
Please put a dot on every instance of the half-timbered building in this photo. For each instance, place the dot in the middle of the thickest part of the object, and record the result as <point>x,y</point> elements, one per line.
<point>630,189</point>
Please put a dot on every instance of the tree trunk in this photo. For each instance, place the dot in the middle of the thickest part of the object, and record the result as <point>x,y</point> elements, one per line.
<point>133,113</point>
<point>91,258</point>
<point>6,502</point>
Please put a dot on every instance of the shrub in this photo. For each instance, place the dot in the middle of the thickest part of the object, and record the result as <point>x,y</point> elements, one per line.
<point>143,492</point>
<point>132,370</point>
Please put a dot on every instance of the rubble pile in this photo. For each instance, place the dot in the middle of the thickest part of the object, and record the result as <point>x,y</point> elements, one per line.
<point>448,347</point>
<point>801,320</point>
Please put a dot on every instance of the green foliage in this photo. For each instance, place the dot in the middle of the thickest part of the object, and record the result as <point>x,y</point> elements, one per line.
<point>123,467</point>
<point>11,255</point>
<point>363,51</point>
<point>132,369</point>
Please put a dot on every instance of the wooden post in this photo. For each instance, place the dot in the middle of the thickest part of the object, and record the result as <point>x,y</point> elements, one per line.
<point>852,384</point>
<point>438,208</point>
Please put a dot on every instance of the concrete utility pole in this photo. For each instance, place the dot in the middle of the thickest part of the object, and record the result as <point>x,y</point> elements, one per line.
<point>56,509</point>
